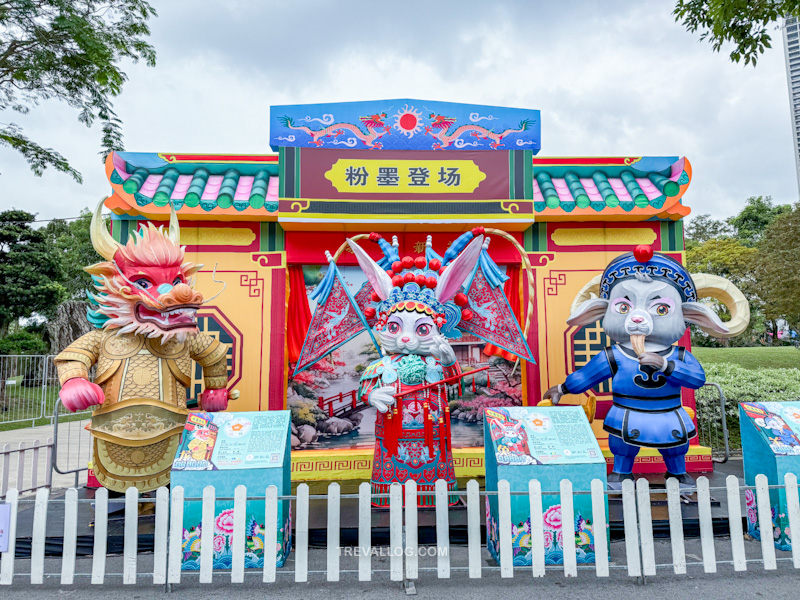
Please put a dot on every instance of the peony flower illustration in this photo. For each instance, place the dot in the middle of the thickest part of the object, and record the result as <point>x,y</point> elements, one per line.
<point>548,538</point>
<point>749,498</point>
<point>552,517</point>
<point>224,522</point>
<point>560,539</point>
<point>752,515</point>
<point>219,543</point>
<point>777,533</point>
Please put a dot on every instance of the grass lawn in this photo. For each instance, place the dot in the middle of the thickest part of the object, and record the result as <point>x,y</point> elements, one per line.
<point>781,357</point>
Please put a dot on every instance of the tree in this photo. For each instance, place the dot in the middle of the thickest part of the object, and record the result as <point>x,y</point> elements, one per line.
<point>703,228</point>
<point>759,211</point>
<point>74,243</point>
<point>30,269</point>
<point>68,50</point>
<point>777,269</point>
<point>744,23</point>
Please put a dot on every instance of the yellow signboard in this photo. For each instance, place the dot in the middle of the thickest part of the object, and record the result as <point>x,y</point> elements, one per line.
<point>393,176</point>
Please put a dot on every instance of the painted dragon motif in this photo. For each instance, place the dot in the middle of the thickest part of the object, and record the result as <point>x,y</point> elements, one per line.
<point>375,124</point>
<point>442,125</point>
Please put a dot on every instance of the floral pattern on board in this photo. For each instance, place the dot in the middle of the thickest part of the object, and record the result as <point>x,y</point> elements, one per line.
<point>783,540</point>
<point>553,538</point>
<point>223,543</point>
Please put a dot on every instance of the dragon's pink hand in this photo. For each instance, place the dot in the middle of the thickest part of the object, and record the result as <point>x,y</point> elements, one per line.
<point>214,400</point>
<point>80,394</point>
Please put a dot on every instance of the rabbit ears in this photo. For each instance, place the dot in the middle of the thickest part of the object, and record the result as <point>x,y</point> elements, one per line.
<point>448,284</point>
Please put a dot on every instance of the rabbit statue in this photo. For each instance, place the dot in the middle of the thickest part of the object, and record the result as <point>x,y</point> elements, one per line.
<point>413,430</point>
<point>646,300</point>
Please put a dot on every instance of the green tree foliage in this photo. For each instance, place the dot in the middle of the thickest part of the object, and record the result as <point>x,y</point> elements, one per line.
<point>751,222</point>
<point>73,241</point>
<point>743,23</point>
<point>30,270</point>
<point>726,257</point>
<point>703,228</point>
<point>777,268</point>
<point>22,342</point>
<point>70,51</point>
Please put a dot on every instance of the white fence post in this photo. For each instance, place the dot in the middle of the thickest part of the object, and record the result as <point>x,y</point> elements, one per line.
<point>207,535</point>
<point>396,531</point>
<point>160,536</point>
<point>706,525</point>
<point>442,530</point>
<point>334,521</point>
<point>131,543</point>
<point>474,528</point>
<point>271,533</point>
<point>301,533</point>
<point>39,535</point>
<point>238,541</point>
<point>765,522</point>
<point>568,529</point>
<point>600,528</point>
<point>676,526</point>
<point>7,558</point>
<point>735,523</point>
<point>70,536</point>
<point>21,452</point>
<point>631,528</point>
<point>412,530</point>
<point>175,557</point>
<point>646,526</point>
<point>537,528</point>
<point>793,510</point>
<point>100,536</point>
<point>6,469</point>
<point>364,531</point>
<point>504,526</point>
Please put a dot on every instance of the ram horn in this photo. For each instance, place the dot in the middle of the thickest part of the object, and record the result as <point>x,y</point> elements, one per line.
<point>105,245</point>
<point>722,290</point>
<point>587,292</point>
<point>174,233</point>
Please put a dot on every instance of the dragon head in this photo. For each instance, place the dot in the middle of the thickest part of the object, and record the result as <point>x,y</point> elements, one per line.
<point>144,286</point>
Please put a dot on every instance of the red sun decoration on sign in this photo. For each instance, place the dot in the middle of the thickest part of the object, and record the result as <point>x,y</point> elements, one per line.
<point>407,121</point>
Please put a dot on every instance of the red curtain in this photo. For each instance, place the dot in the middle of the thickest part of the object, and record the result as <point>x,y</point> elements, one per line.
<point>298,314</point>
<point>512,292</point>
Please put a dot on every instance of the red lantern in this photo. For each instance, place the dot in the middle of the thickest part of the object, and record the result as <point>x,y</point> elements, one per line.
<point>420,279</point>
<point>397,281</point>
<point>431,282</point>
<point>643,253</point>
<point>476,231</point>
<point>420,262</point>
<point>408,277</point>
<point>375,297</point>
<point>408,262</point>
<point>370,312</point>
<point>442,269</point>
<point>397,266</point>
<point>390,273</point>
<point>461,299</point>
<point>435,264</point>
<point>466,314</point>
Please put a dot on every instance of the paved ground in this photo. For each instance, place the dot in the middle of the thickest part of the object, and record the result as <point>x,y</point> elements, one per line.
<point>73,451</point>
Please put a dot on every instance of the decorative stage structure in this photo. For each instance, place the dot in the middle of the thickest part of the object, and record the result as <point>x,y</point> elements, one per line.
<point>412,170</point>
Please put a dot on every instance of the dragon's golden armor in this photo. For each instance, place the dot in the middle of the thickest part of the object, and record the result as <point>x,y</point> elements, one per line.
<point>137,428</point>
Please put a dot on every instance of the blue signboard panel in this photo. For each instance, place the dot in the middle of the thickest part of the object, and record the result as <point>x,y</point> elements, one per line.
<point>405,124</point>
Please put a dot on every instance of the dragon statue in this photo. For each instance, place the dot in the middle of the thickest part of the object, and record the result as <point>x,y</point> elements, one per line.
<point>375,124</point>
<point>442,124</point>
<point>146,339</point>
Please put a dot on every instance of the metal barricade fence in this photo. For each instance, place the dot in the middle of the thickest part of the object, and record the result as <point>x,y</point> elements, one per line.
<point>28,388</point>
<point>712,421</point>
<point>72,444</point>
<point>638,555</point>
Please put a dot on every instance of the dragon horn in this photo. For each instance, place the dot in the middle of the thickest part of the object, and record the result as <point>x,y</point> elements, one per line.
<point>105,245</point>
<point>174,233</point>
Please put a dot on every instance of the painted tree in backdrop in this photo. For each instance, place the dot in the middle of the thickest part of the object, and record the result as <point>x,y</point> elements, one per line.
<point>70,51</point>
<point>743,23</point>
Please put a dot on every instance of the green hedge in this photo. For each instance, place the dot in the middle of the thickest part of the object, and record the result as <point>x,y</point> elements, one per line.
<point>743,385</point>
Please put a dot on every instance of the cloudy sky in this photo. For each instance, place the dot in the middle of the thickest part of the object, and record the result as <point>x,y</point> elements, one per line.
<point>611,78</point>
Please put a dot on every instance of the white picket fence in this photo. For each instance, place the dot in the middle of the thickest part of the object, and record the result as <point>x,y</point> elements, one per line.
<point>639,555</point>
